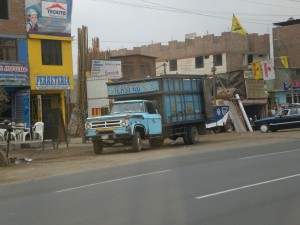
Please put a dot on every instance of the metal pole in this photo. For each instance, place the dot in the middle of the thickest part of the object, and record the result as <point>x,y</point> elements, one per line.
<point>214,80</point>
<point>289,71</point>
<point>243,112</point>
<point>292,89</point>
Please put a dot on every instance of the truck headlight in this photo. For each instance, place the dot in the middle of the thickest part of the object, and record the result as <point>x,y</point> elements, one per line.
<point>124,123</point>
<point>88,125</point>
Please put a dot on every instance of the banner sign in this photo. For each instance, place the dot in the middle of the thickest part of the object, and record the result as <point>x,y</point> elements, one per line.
<point>52,82</point>
<point>134,88</point>
<point>256,70</point>
<point>268,70</point>
<point>48,17</point>
<point>110,69</point>
<point>295,85</point>
<point>14,73</point>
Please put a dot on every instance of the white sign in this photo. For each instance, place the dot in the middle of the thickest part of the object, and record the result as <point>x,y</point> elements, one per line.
<point>110,69</point>
<point>52,82</point>
<point>268,70</point>
<point>54,10</point>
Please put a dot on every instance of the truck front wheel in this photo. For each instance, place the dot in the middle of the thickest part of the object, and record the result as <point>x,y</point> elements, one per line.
<point>98,147</point>
<point>137,142</point>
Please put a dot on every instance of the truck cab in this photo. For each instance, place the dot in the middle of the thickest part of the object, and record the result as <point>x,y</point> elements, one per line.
<point>128,123</point>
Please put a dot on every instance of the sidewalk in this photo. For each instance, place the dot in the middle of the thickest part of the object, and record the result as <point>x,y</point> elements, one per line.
<point>37,144</point>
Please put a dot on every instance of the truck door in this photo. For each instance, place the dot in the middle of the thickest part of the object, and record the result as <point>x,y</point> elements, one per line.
<point>153,120</point>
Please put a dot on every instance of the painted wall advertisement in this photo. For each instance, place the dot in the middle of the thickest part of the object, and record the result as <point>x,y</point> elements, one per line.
<point>49,17</point>
<point>109,69</point>
<point>14,73</point>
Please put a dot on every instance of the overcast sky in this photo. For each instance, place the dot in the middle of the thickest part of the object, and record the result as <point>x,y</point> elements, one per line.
<point>132,23</point>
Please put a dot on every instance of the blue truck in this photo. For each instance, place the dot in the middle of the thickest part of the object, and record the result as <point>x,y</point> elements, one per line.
<point>168,106</point>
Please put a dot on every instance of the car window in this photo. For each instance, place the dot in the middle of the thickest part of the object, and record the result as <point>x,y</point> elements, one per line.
<point>294,111</point>
<point>284,112</point>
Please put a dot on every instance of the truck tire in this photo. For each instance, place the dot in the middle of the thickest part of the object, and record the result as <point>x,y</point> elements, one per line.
<point>98,147</point>
<point>185,139</point>
<point>193,135</point>
<point>156,142</point>
<point>137,142</point>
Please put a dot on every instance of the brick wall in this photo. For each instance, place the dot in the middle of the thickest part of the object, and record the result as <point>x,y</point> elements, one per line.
<point>235,47</point>
<point>16,24</point>
<point>286,41</point>
<point>137,61</point>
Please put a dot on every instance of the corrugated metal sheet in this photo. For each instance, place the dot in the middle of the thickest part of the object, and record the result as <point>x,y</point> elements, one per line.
<point>96,87</point>
<point>96,95</point>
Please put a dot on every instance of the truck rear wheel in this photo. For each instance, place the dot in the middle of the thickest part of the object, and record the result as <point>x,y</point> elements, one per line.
<point>137,142</point>
<point>156,142</point>
<point>193,135</point>
<point>98,147</point>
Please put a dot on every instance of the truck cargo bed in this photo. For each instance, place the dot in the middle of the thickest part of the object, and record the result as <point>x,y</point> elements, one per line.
<point>180,98</point>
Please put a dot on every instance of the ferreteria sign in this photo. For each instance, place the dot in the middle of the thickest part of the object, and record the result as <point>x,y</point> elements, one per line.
<point>14,73</point>
<point>52,82</point>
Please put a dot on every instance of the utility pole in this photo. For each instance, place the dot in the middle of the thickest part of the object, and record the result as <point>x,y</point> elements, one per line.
<point>81,84</point>
<point>289,71</point>
<point>214,69</point>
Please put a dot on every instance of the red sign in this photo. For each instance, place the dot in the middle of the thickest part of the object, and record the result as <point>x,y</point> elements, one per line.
<point>296,84</point>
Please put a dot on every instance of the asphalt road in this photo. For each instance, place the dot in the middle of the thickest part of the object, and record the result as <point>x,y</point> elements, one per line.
<point>253,185</point>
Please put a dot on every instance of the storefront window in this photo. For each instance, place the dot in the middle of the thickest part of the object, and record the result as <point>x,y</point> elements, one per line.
<point>296,98</point>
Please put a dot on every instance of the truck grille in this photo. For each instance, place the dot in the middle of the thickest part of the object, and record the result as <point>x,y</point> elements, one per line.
<point>105,124</point>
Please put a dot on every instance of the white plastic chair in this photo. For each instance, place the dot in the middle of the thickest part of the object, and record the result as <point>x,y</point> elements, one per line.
<point>38,130</point>
<point>26,132</point>
<point>2,134</point>
<point>17,132</point>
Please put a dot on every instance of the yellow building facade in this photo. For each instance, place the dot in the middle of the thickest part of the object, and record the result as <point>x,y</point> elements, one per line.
<point>51,73</point>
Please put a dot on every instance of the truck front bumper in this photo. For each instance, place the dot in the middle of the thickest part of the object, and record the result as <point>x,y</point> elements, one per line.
<point>112,134</point>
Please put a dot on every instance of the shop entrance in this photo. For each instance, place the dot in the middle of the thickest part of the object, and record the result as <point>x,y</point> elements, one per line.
<point>18,107</point>
<point>43,102</point>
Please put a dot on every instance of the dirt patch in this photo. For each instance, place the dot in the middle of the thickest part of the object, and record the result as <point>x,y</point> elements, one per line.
<point>80,157</point>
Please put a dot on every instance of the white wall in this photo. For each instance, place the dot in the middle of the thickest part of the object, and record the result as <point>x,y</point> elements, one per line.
<point>187,66</point>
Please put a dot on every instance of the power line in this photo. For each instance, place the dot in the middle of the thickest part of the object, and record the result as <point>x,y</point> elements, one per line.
<point>260,3</point>
<point>171,9</point>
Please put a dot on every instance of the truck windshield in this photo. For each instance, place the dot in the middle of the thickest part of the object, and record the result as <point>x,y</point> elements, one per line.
<point>130,107</point>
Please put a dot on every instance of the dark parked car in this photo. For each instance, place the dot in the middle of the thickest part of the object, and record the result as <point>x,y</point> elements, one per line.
<point>286,118</point>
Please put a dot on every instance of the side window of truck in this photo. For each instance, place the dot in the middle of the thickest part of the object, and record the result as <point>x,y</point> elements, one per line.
<point>150,108</point>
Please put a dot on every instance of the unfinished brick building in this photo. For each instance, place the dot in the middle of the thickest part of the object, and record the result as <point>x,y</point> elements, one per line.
<point>228,56</point>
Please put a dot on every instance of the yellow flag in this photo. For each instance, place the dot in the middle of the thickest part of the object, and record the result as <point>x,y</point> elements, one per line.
<point>256,70</point>
<point>237,27</point>
<point>284,61</point>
